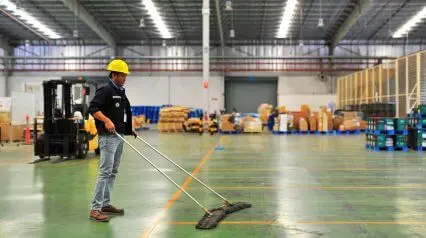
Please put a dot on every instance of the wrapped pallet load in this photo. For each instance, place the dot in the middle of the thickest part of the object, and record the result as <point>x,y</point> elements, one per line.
<point>285,122</point>
<point>251,125</point>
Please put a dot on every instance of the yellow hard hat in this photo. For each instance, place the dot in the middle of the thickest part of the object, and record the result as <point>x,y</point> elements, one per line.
<point>118,65</point>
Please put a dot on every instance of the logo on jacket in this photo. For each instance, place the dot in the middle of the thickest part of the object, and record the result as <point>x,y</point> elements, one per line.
<point>117,105</point>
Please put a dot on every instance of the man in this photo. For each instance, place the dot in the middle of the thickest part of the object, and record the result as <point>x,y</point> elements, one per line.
<point>111,110</point>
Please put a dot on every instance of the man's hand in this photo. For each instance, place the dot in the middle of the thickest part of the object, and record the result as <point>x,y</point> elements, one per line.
<point>134,134</point>
<point>109,126</point>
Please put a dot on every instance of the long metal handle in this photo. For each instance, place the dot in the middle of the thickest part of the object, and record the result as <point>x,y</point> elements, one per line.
<point>188,173</point>
<point>165,175</point>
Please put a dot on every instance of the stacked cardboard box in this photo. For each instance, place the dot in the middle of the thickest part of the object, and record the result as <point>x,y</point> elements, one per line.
<point>323,121</point>
<point>172,119</point>
<point>303,125</point>
<point>349,121</point>
<point>313,122</point>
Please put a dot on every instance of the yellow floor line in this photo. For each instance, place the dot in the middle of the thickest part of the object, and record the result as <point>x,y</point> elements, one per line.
<point>148,231</point>
<point>362,222</point>
<point>306,222</point>
<point>226,223</point>
<point>366,187</point>
<point>315,169</point>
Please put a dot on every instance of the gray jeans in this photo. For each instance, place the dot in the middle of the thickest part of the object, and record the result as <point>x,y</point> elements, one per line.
<point>111,147</point>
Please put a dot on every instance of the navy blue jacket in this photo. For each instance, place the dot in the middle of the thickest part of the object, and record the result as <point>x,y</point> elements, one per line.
<point>113,103</point>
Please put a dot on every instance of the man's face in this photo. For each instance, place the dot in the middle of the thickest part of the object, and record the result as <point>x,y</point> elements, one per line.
<point>119,79</point>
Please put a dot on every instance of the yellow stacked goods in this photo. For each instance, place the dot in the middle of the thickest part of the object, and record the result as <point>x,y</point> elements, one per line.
<point>172,119</point>
<point>264,111</point>
<point>194,124</point>
<point>225,125</point>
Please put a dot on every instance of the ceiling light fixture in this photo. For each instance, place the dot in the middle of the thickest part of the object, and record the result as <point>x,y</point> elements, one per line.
<point>410,24</point>
<point>287,19</point>
<point>30,20</point>
<point>232,33</point>
<point>228,5</point>
<point>320,20</point>
<point>158,21</point>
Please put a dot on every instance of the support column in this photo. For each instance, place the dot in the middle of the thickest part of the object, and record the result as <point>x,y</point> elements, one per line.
<point>8,65</point>
<point>206,54</point>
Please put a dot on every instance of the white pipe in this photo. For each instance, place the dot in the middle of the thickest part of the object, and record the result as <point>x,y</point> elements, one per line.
<point>206,54</point>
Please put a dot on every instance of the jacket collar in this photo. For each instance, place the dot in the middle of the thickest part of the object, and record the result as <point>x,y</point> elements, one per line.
<point>112,84</point>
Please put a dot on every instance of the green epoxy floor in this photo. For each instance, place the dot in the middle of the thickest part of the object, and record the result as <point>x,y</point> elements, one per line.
<point>299,186</point>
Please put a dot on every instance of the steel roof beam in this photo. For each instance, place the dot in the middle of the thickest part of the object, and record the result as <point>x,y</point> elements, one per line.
<point>351,20</point>
<point>87,18</point>
<point>219,23</point>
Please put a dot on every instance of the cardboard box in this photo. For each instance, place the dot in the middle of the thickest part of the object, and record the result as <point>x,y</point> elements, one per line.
<point>323,121</point>
<point>4,117</point>
<point>362,125</point>
<point>313,122</point>
<point>14,133</point>
<point>303,125</point>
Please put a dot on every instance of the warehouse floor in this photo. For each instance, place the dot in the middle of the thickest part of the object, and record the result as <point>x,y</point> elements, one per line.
<point>299,186</point>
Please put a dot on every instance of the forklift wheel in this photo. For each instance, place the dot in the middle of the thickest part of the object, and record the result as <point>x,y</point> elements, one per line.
<point>82,147</point>
<point>97,151</point>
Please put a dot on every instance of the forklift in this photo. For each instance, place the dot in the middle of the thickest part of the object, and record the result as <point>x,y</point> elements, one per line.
<point>65,121</point>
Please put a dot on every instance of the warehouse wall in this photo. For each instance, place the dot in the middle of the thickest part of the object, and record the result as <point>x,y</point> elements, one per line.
<point>297,89</point>
<point>145,89</point>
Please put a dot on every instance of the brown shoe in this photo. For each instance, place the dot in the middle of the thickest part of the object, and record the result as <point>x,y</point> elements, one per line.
<point>112,210</point>
<point>96,215</point>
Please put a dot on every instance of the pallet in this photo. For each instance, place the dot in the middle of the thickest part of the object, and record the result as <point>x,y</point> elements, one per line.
<point>301,132</point>
<point>142,129</point>
<point>379,132</point>
<point>282,132</point>
<point>251,132</point>
<point>347,132</point>
<point>324,132</point>
<point>419,149</point>
<point>387,148</point>
<point>404,132</point>
<point>230,132</point>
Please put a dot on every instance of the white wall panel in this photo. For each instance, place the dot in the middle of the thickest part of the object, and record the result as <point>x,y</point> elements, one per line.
<point>301,84</point>
<point>293,102</point>
<point>2,85</point>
